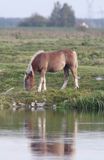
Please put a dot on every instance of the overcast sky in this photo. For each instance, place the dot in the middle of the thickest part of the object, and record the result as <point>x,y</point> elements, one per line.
<point>25,8</point>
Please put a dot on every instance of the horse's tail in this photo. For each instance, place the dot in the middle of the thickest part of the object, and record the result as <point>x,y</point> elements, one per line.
<point>75,58</point>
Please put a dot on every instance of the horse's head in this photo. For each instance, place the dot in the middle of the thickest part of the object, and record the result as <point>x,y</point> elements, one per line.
<point>29,80</point>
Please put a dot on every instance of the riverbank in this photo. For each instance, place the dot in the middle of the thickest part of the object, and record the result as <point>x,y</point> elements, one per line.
<point>17,46</point>
<point>89,97</point>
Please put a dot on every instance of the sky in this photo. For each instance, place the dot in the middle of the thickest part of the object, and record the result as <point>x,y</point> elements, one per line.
<point>25,8</point>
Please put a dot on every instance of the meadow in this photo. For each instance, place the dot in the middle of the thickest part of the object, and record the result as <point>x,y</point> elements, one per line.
<point>17,46</point>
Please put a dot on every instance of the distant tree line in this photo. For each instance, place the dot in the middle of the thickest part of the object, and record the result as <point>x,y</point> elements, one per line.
<point>60,16</point>
<point>9,22</point>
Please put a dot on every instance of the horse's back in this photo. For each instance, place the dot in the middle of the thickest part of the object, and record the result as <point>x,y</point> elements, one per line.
<point>59,59</point>
<point>53,61</point>
<point>56,61</point>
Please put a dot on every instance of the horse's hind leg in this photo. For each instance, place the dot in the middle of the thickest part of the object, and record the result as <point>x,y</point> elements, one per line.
<point>74,73</point>
<point>66,75</point>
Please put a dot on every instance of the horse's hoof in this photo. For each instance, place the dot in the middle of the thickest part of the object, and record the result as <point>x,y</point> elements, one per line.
<point>39,90</point>
<point>77,87</point>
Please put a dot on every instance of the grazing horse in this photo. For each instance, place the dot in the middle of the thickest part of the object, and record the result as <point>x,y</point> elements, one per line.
<point>43,62</point>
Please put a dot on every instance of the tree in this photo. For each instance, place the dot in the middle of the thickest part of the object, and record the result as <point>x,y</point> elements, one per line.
<point>55,17</point>
<point>62,16</point>
<point>34,20</point>
<point>67,16</point>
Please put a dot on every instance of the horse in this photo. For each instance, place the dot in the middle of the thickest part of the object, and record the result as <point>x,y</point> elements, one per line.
<point>54,61</point>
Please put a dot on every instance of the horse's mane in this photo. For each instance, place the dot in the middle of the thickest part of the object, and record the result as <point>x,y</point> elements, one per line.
<point>29,68</point>
<point>35,55</point>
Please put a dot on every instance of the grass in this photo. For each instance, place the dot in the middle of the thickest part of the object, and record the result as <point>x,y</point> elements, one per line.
<point>16,49</point>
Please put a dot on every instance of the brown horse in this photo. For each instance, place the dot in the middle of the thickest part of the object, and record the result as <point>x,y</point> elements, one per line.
<point>43,62</point>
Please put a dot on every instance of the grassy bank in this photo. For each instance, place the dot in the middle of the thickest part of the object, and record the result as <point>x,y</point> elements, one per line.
<point>18,45</point>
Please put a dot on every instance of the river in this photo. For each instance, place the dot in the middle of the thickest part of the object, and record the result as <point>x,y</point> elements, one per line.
<point>47,135</point>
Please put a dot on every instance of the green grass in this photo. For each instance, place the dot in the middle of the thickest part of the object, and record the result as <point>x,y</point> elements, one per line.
<point>16,49</point>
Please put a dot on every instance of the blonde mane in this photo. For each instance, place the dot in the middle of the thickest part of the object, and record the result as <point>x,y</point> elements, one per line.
<point>35,55</point>
<point>29,68</point>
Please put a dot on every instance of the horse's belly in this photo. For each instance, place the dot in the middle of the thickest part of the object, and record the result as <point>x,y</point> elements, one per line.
<point>56,67</point>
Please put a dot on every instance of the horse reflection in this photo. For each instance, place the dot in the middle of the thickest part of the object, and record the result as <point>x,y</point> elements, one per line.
<point>55,145</point>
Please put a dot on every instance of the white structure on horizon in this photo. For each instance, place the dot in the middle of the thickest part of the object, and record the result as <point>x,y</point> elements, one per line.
<point>84,25</point>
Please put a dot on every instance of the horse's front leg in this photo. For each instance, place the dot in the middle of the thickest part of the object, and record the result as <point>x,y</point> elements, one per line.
<point>42,83</point>
<point>66,76</point>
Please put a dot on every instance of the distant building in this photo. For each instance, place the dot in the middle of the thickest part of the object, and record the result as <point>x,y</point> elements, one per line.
<point>84,25</point>
<point>89,23</point>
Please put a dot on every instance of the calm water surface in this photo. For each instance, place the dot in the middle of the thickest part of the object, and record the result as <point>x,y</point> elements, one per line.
<point>50,135</point>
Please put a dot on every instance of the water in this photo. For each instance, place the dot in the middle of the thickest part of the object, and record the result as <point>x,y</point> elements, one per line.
<point>50,135</point>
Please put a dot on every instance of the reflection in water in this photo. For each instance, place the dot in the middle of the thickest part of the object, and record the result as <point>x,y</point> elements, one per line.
<point>51,135</point>
<point>58,143</point>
